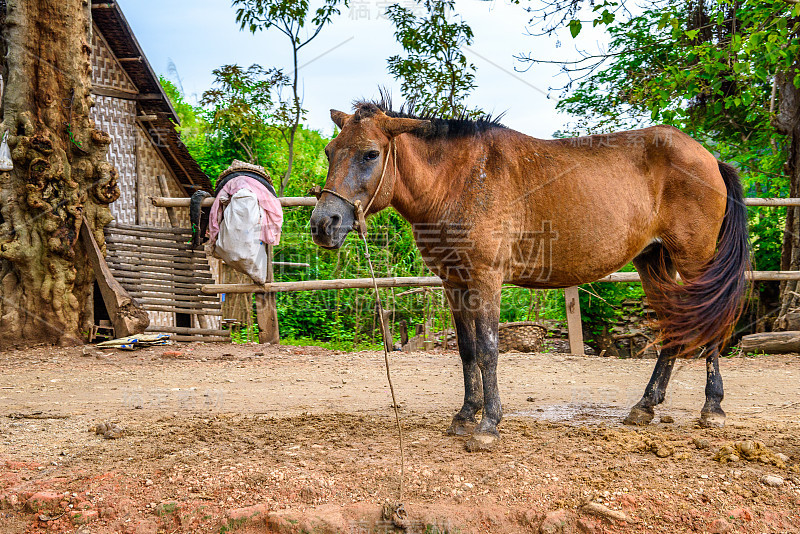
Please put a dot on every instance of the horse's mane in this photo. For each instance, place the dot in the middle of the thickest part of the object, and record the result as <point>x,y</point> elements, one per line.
<point>442,127</point>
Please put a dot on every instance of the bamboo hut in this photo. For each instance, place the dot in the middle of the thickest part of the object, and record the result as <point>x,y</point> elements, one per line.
<point>146,245</point>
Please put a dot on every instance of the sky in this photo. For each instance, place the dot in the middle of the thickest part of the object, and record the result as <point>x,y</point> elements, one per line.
<point>347,60</point>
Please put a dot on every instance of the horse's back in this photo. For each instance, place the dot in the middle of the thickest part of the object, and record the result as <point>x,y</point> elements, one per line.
<point>602,199</point>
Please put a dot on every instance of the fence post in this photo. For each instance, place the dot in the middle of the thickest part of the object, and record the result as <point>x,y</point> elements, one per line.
<point>574,326</point>
<point>267,309</point>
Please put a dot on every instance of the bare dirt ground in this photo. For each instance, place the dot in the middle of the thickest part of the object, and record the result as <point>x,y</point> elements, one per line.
<point>222,438</point>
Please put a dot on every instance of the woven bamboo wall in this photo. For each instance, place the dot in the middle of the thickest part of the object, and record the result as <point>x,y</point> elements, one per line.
<point>150,166</point>
<point>132,152</point>
<point>106,70</point>
<point>117,117</point>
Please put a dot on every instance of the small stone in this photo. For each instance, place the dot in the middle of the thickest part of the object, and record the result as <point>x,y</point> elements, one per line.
<point>604,511</point>
<point>44,500</point>
<point>253,512</point>
<point>81,517</point>
<point>9,501</point>
<point>701,443</point>
<point>588,526</point>
<point>742,514</point>
<point>667,419</point>
<point>172,354</point>
<point>719,526</point>
<point>481,443</point>
<point>554,522</point>
<point>663,452</point>
<point>148,482</point>
<point>782,457</point>
<point>772,481</point>
<point>530,399</point>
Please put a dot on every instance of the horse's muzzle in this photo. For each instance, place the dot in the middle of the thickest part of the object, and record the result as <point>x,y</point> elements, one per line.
<point>330,223</point>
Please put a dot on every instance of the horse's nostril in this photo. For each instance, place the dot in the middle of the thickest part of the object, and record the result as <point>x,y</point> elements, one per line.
<point>324,224</point>
<point>327,225</point>
<point>335,221</point>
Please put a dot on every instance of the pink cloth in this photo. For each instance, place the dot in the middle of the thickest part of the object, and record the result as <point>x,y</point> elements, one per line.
<point>271,214</point>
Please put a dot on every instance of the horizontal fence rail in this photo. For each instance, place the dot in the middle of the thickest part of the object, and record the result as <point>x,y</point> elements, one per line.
<point>169,202</point>
<point>427,281</point>
<point>571,293</point>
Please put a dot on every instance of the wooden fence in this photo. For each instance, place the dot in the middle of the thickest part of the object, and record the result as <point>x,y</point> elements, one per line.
<point>267,313</point>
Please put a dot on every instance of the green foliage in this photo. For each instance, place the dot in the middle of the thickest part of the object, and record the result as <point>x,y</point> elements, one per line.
<point>245,105</point>
<point>707,68</point>
<point>435,72</point>
<point>285,15</point>
<point>601,304</point>
<point>292,18</point>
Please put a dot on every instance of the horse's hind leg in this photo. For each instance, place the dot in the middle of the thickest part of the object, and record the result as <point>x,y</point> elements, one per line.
<point>643,411</point>
<point>464,421</point>
<point>653,263</point>
<point>712,414</point>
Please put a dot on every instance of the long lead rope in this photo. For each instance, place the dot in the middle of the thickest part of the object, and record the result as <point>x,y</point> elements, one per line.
<point>398,513</point>
<point>388,369</point>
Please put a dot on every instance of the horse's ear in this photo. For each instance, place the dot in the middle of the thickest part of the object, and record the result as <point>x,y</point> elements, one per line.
<point>339,118</point>
<point>393,126</point>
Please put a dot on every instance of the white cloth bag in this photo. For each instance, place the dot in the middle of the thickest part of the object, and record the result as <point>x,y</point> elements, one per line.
<point>239,241</point>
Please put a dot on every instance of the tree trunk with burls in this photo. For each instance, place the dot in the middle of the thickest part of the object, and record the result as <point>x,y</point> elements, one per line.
<point>60,173</point>
<point>787,122</point>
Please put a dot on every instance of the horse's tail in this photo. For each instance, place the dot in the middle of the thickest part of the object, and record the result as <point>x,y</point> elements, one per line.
<point>703,311</point>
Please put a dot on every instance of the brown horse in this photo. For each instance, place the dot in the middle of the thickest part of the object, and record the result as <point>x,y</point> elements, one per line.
<point>489,205</point>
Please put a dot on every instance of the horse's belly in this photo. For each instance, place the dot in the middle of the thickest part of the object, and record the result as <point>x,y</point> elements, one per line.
<point>564,260</point>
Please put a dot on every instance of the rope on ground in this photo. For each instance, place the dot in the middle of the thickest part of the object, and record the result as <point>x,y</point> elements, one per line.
<point>388,369</point>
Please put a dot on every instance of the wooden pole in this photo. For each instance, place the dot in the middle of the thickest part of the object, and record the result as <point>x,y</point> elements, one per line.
<point>388,340</point>
<point>267,309</point>
<point>126,315</point>
<point>756,276</point>
<point>314,285</point>
<point>772,202</point>
<point>173,217</point>
<point>182,202</point>
<point>574,327</point>
<point>426,281</point>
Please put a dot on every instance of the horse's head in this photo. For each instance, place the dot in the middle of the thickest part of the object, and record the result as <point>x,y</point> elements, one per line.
<point>360,170</point>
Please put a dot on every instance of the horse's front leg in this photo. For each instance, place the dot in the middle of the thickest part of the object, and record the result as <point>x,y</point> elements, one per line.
<point>486,301</point>
<point>464,421</point>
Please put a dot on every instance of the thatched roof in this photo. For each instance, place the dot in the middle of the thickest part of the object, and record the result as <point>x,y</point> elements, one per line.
<point>157,110</point>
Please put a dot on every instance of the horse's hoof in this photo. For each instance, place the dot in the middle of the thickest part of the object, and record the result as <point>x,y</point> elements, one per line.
<point>711,420</point>
<point>481,442</point>
<point>461,428</point>
<point>639,417</point>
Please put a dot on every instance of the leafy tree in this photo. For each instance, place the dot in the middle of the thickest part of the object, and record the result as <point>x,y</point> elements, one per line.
<point>435,72</point>
<point>246,103</point>
<point>297,21</point>
<point>724,71</point>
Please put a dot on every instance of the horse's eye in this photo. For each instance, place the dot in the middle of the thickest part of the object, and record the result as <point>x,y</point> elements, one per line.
<point>372,154</point>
